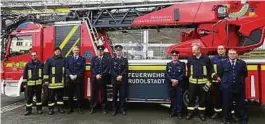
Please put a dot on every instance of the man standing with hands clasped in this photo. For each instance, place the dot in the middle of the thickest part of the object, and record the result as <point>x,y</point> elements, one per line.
<point>75,68</point>
<point>100,69</point>
<point>175,72</point>
<point>119,70</point>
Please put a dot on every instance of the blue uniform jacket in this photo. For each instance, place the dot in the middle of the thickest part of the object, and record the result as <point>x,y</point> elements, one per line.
<point>119,66</point>
<point>75,66</point>
<point>36,69</point>
<point>100,67</point>
<point>175,71</point>
<point>216,60</point>
<point>233,79</point>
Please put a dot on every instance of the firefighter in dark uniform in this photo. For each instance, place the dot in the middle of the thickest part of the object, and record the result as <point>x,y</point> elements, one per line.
<point>75,68</point>
<point>216,83</point>
<point>54,77</point>
<point>32,80</point>
<point>119,70</point>
<point>233,72</point>
<point>175,72</point>
<point>199,72</point>
<point>100,69</point>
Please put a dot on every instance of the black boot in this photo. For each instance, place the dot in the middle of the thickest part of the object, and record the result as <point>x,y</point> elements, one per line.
<point>123,112</point>
<point>50,112</point>
<point>70,111</point>
<point>92,111</point>
<point>172,114</point>
<point>80,111</point>
<point>202,117</point>
<point>179,115</point>
<point>215,115</point>
<point>114,113</point>
<point>235,119</point>
<point>60,109</point>
<point>189,116</point>
<point>27,113</point>
<point>104,111</point>
<point>225,122</point>
<point>39,112</point>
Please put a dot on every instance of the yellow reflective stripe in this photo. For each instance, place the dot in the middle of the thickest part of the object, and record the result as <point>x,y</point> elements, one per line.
<point>24,80</point>
<point>46,77</point>
<point>88,67</point>
<point>63,70</point>
<point>40,73</point>
<point>29,73</point>
<point>51,104</point>
<point>55,87</point>
<point>190,108</point>
<point>208,84</point>
<point>53,70</point>
<point>38,103</point>
<point>204,70</point>
<point>29,105</point>
<point>201,108</point>
<point>191,70</point>
<point>67,54</point>
<point>68,37</point>
<point>38,82</point>
<point>53,80</point>
<point>215,67</point>
<point>198,81</point>
<point>31,83</point>
<point>60,103</point>
<point>217,110</point>
<point>213,75</point>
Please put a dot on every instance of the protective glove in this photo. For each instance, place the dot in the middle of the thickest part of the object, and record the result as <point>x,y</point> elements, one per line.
<point>71,77</point>
<point>74,77</point>
<point>206,87</point>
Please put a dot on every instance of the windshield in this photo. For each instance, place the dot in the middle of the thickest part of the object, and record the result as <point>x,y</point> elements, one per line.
<point>148,44</point>
<point>4,42</point>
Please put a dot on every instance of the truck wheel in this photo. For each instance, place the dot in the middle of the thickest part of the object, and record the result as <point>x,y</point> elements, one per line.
<point>186,99</point>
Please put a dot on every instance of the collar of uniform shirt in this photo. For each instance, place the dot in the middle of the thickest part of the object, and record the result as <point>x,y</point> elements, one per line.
<point>198,56</point>
<point>76,55</point>
<point>230,60</point>
<point>175,61</point>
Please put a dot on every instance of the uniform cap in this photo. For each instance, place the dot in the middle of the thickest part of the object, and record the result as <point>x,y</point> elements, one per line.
<point>57,48</point>
<point>118,47</point>
<point>174,52</point>
<point>100,47</point>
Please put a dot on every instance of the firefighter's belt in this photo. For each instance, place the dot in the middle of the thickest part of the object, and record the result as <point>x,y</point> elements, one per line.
<point>34,82</point>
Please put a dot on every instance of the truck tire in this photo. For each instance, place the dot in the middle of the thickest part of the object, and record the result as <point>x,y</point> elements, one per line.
<point>186,98</point>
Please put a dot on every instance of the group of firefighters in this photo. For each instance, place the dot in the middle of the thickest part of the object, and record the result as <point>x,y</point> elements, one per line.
<point>225,73</point>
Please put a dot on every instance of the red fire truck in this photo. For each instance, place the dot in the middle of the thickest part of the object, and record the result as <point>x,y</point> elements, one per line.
<point>231,23</point>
